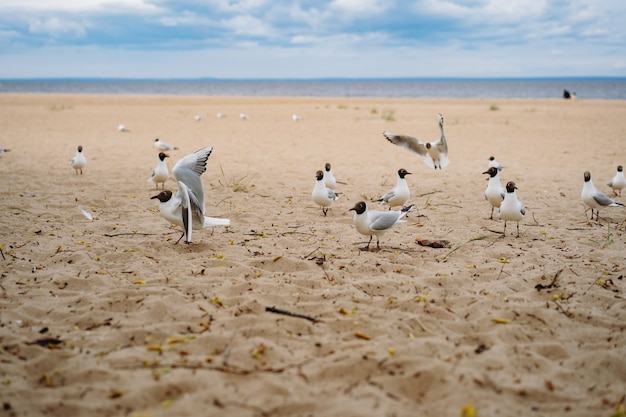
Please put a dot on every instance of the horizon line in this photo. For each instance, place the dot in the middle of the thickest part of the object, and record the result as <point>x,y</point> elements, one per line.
<point>265,79</point>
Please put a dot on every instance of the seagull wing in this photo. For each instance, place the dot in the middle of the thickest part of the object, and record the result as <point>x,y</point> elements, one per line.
<point>332,196</point>
<point>602,199</point>
<point>383,220</point>
<point>188,171</point>
<point>391,194</point>
<point>408,142</point>
<point>187,210</point>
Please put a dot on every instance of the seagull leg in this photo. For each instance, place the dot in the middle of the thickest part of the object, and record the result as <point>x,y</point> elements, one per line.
<point>368,243</point>
<point>504,234</point>
<point>377,243</point>
<point>517,229</point>
<point>324,210</point>
<point>491,217</point>
<point>181,236</point>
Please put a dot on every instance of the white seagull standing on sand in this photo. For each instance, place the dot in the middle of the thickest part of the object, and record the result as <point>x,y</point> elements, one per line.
<point>595,199</point>
<point>435,154</point>
<point>244,116</point>
<point>322,196</point>
<point>160,173</point>
<point>495,192</point>
<point>511,208</point>
<point>494,163</point>
<point>122,128</point>
<point>162,146</point>
<point>329,177</point>
<point>186,208</point>
<point>399,194</point>
<point>376,223</point>
<point>295,117</point>
<point>618,182</point>
<point>79,161</point>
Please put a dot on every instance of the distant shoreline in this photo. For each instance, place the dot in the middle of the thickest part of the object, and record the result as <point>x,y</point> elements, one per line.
<point>604,88</point>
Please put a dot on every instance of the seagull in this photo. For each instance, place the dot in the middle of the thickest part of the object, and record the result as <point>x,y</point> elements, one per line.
<point>160,173</point>
<point>494,163</point>
<point>220,115</point>
<point>197,117</point>
<point>295,117</point>
<point>79,161</point>
<point>595,199</point>
<point>3,150</point>
<point>162,146</point>
<point>122,128</point>
<point>244,116</point>
<point>329,178</point>
<point>511,208</point>
<point>618,182</point>
<point>322,196</point>
<point>399,194</point>
<point>495,192</point>
<point>186,208</point>
<point>435,153</point>
<point>373,222</point>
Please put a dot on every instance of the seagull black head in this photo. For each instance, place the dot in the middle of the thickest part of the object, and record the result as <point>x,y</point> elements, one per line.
<point>319,175</point>
<point>620,168</point>
<point>359,207</point>
<point>587,176</point>
<point>510,187</point>
<point>327,166</point>
<point>493,171</point>
<point>402,172</point>
<point>163,196</point>
<point>162,156</point>
<point>80,148</point>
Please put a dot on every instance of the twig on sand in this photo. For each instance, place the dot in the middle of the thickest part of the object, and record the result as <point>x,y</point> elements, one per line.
<point>290,314</point>
<point>553,284</point>
<point>128,233</point>
<point>460,246</point>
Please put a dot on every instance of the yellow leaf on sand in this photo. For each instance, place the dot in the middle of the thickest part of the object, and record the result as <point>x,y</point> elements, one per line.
<point>362,336</point>
<point>139,282</point>
<point>468,411</point>
<point>499,320</point>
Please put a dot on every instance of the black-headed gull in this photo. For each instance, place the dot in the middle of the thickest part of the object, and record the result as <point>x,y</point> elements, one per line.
<point>186,208</point>
<point>618,182</point>
<point>376,223</point>
<point>329,177</point>
<point>399,194</point>
<point>79,161</point>
<point>511,208</point>
<point>494,163</point>
<point>162,146</point>
<point>3,150</point>
<point>160,173</point>
<point>495,192</point>
<point>435,154</point>
<point>595,199</point>
<point>322,196</point>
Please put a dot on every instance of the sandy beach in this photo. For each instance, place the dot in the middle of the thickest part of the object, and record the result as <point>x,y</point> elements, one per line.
<point>110,317</point>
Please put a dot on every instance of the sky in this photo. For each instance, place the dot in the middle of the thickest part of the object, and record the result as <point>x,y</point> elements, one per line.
<point>303,39</point>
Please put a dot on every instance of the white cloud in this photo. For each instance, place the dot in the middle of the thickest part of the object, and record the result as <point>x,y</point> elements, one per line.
<point>71,6</point>
<point>248,25</point>
<point>57,27</point>
<point>359,7</point>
